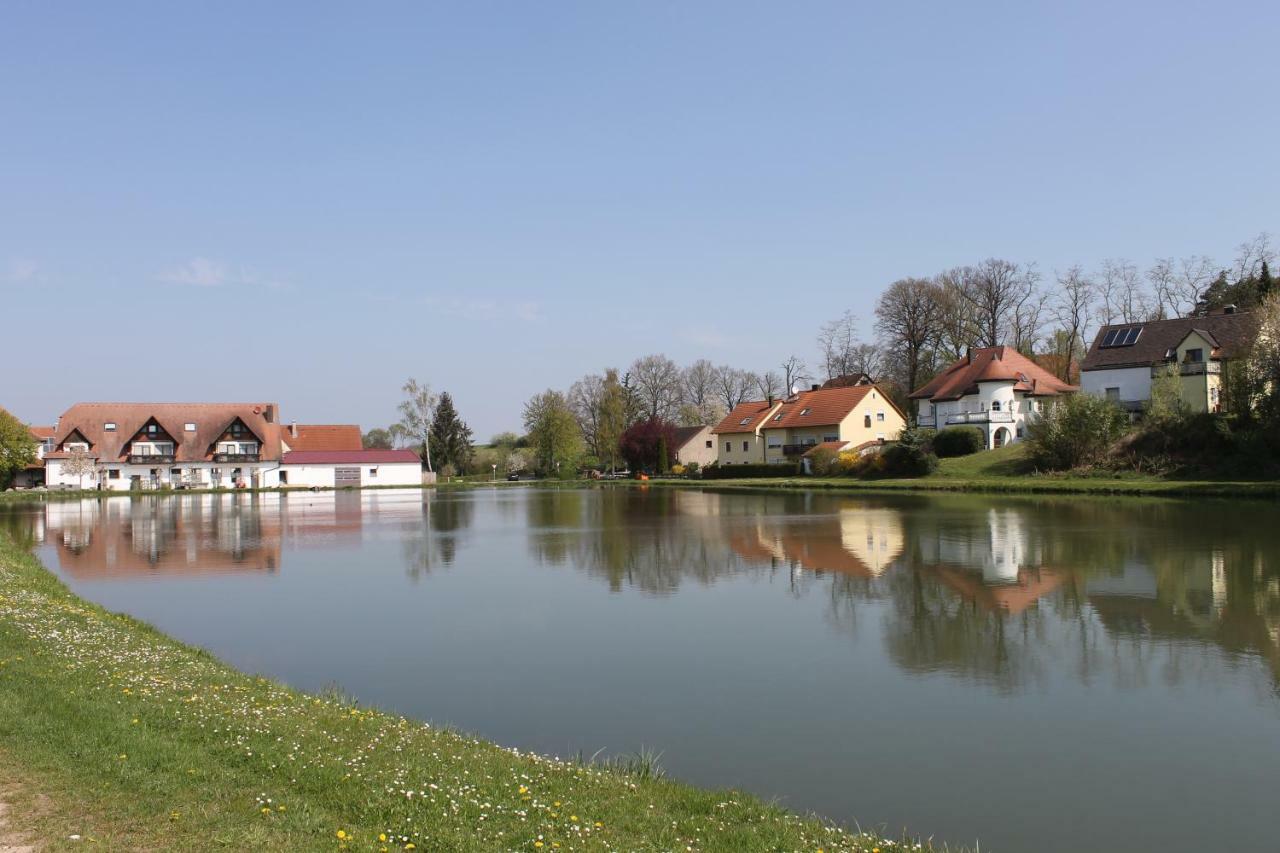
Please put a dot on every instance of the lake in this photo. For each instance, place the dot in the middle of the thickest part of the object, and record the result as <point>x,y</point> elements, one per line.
<point>1037,674</point>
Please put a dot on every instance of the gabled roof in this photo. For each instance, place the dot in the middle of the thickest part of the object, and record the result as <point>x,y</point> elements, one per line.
<point>684,435</point>
<point>323,437</point>
<point>40,433</point>
<point>745,417</point>
<point>210,420</point>
<point>344,457</point>
<point>991,364</point>
<point>824,407</point>
<point>1229,334</point>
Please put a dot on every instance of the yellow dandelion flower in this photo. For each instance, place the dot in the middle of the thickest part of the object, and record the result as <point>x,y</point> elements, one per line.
<point>573,817</point>
<point>342,834</point>
<point>382,836</point>
<point>537,844</point>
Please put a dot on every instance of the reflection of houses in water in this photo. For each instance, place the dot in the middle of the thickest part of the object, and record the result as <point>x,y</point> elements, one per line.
<point>856,541</point>
<point>100,539</point>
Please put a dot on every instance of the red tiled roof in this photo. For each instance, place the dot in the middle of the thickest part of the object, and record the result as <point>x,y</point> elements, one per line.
<point>752,412</point>
<point>40,433</point>
<point>991,364</point>
<point>825,407</point>
<point>352,457</point>
<point>323,437</point>
<point>211,421</point>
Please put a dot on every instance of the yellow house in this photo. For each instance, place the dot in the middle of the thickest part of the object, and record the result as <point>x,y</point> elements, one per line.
<point>773,432</point>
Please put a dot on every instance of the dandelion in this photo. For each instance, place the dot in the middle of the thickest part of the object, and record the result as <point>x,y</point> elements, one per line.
<point>342,835</point>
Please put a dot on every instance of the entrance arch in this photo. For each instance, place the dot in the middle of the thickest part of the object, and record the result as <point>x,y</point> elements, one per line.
<point>1001,438</point>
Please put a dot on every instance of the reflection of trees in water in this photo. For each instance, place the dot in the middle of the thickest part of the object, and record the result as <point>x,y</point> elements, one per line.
<point>433,541</point>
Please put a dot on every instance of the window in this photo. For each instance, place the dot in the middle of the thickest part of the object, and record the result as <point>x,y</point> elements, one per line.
<point>1195,356</point>
<point>1113,394</point>
<point>152,429</point>
<point>728,447</point>
<point>373,472</point>
<point>216,475</point>
<point>805,410</point>
<point>880,416</point>
<point>76,445</point>
<point>175,473</point>
<point>831,438</point>
<point>778,416</point>
<point>866,421</point>
<point>708,444</point>
<point>995,405</point>
<point>237,428</point>
<point>113,473</point>
<point>189,427</point>
<point>745,446</point>
<point>109,426</point>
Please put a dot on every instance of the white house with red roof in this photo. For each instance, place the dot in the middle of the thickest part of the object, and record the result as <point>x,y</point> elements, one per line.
<point>996,389</point>
<point>341,469</point>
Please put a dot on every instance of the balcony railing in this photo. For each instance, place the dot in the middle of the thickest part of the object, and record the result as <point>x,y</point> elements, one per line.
<point>797,449</point>
<point>1199,368</point>
<point>237,457</point>
<point>980,418</point>
<point>150,458</point>
<point>927,421</point>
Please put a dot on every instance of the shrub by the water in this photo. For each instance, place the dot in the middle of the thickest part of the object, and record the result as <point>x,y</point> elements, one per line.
<point>909,456</point>
<point>1075,432</point>
<point>958,441</point>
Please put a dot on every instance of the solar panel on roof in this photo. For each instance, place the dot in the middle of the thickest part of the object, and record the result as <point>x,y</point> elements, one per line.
<point>1110,339</point>
<point>1125,336</point>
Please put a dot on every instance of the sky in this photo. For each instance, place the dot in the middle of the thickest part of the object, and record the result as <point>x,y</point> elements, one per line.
<point>311,202</point>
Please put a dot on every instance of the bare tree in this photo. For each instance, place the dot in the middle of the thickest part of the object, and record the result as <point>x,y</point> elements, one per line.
<point>733,385</point>
<point>699,390</point>
<point>957,324</point>
<point>657,386</point>
<point>865,358</point>
<point>769,384</point>
<point>794,373</point>
<point>1071,309</point>
<point>1026,324</point>
<point>585,397</point>
<point>908,319</point>
<point>836,341</point>
<point>996,291</point>
<point>417,411</point>
<point>1251,255</point>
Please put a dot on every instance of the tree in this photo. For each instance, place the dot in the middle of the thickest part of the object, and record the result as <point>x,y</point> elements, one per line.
<point>657,385</point>
<point>451,435</point>
<point>17,447</point>
<point>996,291</point>
<point>517,462</point>
<point>908,320</point>
<point>732,385</point>
<point>698,386</point>
<point>1071,309</point>
<point>1075,432</point>
<point>584,399</point>
<point>794,373</point>
<point>648,445</point>
<point>612,419</point>
<point>377,439</point>
<point>505,439</point>
<point>416,411</point>
<point>769,384</point>
<point>553,431</point>
<point>79,464</point>
<point>837,341</point>
<point>1123,297</point>
<point>957,327</point>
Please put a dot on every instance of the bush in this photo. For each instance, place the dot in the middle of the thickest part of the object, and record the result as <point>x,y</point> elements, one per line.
<point>848,461</point>
<point>691,469</point>
<point>958,441</point>
<point>739,472</point>
<point>909,456</point>
<point>1075,432</point>
<point>823,461</point>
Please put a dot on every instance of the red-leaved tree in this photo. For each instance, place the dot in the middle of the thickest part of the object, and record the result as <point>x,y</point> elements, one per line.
<point>649,445</point>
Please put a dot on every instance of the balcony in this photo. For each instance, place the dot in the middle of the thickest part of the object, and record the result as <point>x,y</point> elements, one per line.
<point>237,457</point>
<point>927,421</point>
<point>1199,368</point>
<point>980,418</point>
<point>150,458</point>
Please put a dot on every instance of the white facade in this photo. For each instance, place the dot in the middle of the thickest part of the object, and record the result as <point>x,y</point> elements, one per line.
<point>325,475</point>
<point>191,475</point>
<point>1132,384</point>
<point>997,409</point>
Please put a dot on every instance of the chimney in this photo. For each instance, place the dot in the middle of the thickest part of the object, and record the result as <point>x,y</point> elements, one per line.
<point>814,387</point>
<point>269,413</point>
<point>770,401</point>
<point>968,354</point>
<point>293,429</point>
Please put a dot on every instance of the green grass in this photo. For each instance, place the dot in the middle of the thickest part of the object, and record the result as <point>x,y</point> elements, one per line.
<point>118,734</point>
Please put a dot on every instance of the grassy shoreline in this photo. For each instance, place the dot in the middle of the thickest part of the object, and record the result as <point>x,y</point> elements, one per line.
<point>119,734</point>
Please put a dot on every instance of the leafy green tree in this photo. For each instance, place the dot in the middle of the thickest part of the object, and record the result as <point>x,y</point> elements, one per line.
<point>17,447</point>
<point>450,435</point>
<point>554,436</point>
<point>1076,432</point>
<point>612,420</point>
<point>377,439</point>
<point>416,412</point>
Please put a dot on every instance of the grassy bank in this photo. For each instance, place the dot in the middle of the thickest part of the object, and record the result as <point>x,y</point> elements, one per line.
<point>117,734</point>
<point>1006,471</point>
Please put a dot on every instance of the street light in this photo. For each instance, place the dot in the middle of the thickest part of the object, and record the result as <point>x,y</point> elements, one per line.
<point>494,466</point>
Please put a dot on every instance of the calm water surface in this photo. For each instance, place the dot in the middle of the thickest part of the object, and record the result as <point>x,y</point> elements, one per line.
<point>1059,674</point>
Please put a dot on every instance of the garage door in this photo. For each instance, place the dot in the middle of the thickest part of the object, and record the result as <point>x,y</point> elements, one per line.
<point>346,477</point>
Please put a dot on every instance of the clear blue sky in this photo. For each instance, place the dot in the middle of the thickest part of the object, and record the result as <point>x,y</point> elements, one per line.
<point>310,203</point>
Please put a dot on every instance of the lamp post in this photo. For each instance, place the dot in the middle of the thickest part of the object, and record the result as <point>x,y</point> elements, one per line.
<point>494,466</point>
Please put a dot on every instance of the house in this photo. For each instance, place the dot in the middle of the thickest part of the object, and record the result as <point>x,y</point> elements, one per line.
<point>696,445</point>
<point>339,469</point>
<point>1124,358</point>
<point>205,446</point>
<point>997,389</point>
<point>772,432</point>
<point>33,475</point>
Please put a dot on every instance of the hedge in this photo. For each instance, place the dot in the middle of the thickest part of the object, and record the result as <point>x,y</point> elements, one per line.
<point>958,441</point>
<point>739,472</point>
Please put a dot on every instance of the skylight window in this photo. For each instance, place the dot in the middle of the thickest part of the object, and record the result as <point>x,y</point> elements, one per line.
<point>190,427</point>
<point>744,421</point>
<point>109,426</point>
<point>1125,336</point>
<point>805,410</point>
